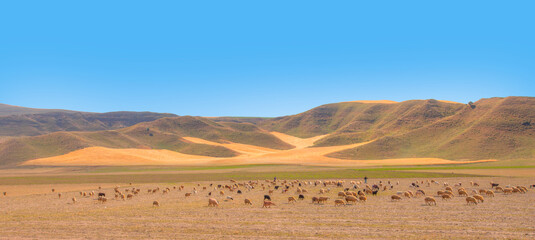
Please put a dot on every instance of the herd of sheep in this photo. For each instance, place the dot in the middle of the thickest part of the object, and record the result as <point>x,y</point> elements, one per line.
<point>348,192</point>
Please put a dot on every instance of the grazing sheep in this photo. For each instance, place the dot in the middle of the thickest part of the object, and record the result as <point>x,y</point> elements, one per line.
<point>339,202</point>
<point>291,199</point>
<point>315,200</point>
<point>430,200</point>
<point>351,199</point>
<point>482,191</point>
<point>446,196</point>
<point>187,194</point>
<point>53,190</point>
<point>301,197</point>
<point>267,197</point>
<point>59,195</point>
<point>129,196</point>
<point>221,192</point>
<point>493,185</point>
<point>102,200</point>
<point>341,194</point>
<point>440,193</point>
<point>420,192</point>
<point>479,198</point>
<point>323,199</point>
<point>407,194</point>
<point>247,201</point>
<point>490,193</point>
<point>508,191</point>
<point>449,189</point>
<point>101,194</point>
<point>155,204</point>
<point>230,198</point>
<point>395,198</point>
<point>470,200</point>
<point>268,204</point>
<point>463,193</point>
<point>362,199</point>
<point>73,200</point>
<point>476,184</point>
<point>212,202</point>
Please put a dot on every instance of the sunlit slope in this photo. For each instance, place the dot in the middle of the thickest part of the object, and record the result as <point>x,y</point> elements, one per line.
<point>249,154</point>
<point>497,128</point>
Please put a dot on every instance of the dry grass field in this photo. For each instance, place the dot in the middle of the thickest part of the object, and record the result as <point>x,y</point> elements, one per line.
<point>32,211</point>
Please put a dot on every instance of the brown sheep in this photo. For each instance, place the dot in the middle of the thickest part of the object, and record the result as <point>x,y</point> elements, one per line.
<point>499,189</point>
<point>362,199</point>
<point>322,191</point>
<point>430,200</point>
<point>470,200</point>
<point>449,189</point>
<point>507,191</point>
<point>463,193</point>
<point>440,193</point>
<point>446,196</point>
<point>53,190</point>
<point>323,199</point>
<point>351,199</point>
<point>221,192</point>
<point>73,200</point>
<point>315,200</point>
<point>479,198</point>
<point>341,194</point>
<point>395,198</point>
<point>407,194</point>
<point>212,202</point>
<point>490,193</point>
<point>59,195</point>
<point>155,204</point>
<point>291,199</point>
<point>339,202</point>
<point>187,194</point>
<point>247,201</point>
<point>482,191</point>
<point>102,200</point>
<point>268,204</point>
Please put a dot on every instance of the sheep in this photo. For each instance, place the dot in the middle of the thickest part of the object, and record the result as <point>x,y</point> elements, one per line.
<point>490,193</point>
<point>129,196</point>
<point>102,200</point>
<point>449,188</point>
<point>53,190</point>
<point>73,200</point>
<point>268,204</point>
<point>230,198</point>
<point>212,202</point>
<point>247,201</point>
<point>499,189</point>
<point>339,202</point>
<point>470,200</point>
<point>301,197</point>
<point>440,193</point>
<point>322,191</point>
<point>493,185</point>
<point>341,194</point>
<point>476,184</point>
<point>463,193</point>
<point>395,198</point>
<point>351,199</point>
<point>407,194</point>
<point>446,196</point>
<point>323,199</point>
<point>101,194</point>
<point>291,199</point>
<point>479,198</point>
<point>362,199</point>
<point>59,195</point>
<point>430,200</point>
<point>507,191</point>
<point>315,200</point>
<point>482,191</point>
<point>187,194</point>
<point>155,204</point>
<point>420,192</point>
<point>267,197</point>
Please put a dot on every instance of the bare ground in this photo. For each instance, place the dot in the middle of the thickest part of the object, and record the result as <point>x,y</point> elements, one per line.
<point>44,216</point>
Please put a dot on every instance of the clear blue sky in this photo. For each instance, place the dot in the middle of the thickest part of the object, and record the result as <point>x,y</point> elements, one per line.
<point>253,58</point>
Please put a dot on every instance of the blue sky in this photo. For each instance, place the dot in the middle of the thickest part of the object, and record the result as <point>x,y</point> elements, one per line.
<point>253,58</point>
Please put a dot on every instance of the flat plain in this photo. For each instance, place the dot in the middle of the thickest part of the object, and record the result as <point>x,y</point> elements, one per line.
<point>31,210</point>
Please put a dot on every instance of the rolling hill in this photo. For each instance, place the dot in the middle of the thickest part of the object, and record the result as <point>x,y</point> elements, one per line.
<point>372,131</point>
<point>48,122</point>
<point>6,110</point>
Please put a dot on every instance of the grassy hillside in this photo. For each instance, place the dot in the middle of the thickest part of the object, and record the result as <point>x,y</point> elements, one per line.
<point>500,128</point>
<point>354,122</point>
<point>165,133</point>
<point>38,124</point>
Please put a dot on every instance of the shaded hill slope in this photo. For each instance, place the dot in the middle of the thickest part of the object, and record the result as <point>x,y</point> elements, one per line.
<point>6,110</point>
<point>38,124</point>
